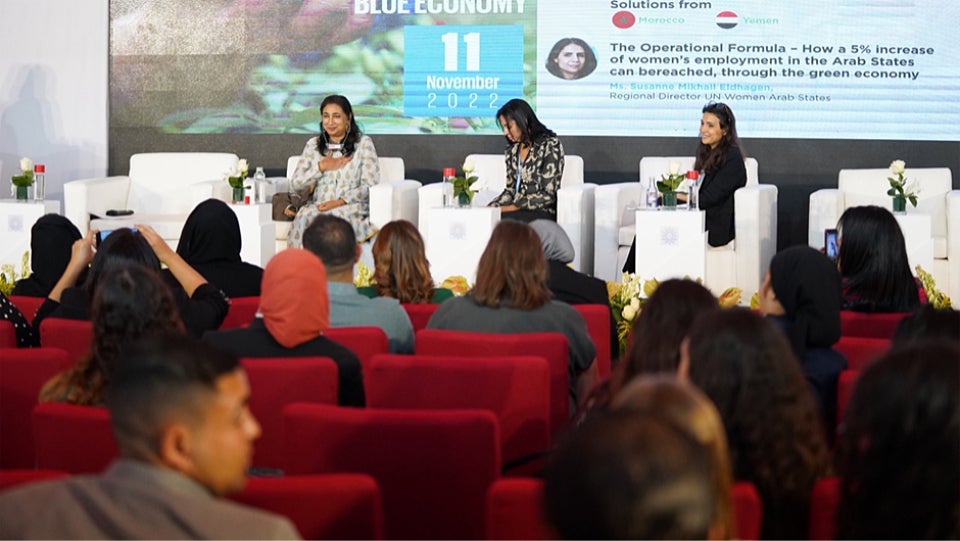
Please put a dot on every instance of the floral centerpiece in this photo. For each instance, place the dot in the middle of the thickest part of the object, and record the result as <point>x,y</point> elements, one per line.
<point>899,189</point>
<point>628,297</point>
<point>236,179</point>
<point>364,277</point>
<point>462,186</point>
<point>456,283</point>
<point>935,297</point>
<point>9,276</point>
<point>25,179</point>
<point>668,184</point>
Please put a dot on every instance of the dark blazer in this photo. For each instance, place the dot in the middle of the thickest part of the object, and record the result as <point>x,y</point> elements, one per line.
<point>574,287</point>
<point>256,341</point>
<point>716,197</point>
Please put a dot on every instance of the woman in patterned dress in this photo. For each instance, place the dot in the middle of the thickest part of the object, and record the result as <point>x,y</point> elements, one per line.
<point>341,163</point>
<point>534,165</point>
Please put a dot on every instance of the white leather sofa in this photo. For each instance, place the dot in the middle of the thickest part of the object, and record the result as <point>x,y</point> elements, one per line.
<point>160,187</point>
<point>858,187</point>
<point>574,201</point>
<point>755,218</point>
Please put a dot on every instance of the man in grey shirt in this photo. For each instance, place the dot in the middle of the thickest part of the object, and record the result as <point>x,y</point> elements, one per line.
<point>333,240</point>
<point>180,416</point>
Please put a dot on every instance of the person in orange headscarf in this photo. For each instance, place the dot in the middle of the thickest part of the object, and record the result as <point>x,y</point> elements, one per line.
<point>294,313</point>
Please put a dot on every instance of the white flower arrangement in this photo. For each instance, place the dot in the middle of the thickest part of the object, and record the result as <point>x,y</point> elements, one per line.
<point>898,185</point>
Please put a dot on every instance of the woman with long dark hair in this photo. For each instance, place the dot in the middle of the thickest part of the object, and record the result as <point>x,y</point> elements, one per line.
<point>534,159</point>
<point>341,165</point>
<point>873,262</point>
<point>571,58</point>
<point>745,365</point>
<point>131,302</point>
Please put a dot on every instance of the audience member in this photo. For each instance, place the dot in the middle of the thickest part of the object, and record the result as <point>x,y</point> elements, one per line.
<point>897,454</point>
<point>210,243</point>
<point>928,323</point>
<point>629,475</point>
<point>341,165</point>
<point>401,269</point>
<point>745,365</point>
<point>566,284</point>
<point>26,335</point>
<point>511,296</point>
<point>294,312</point>
<point>688,409</point>
<point>180,418</point>
<point>202,305</point>
<point>51,243</point>
<point>332,239</point>
<point>873,263</point>
<point>801,294</point>
<point>534,160</point>
<point>131,302</point>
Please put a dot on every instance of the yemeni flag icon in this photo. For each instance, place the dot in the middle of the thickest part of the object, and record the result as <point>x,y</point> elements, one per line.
<point>727,19</point>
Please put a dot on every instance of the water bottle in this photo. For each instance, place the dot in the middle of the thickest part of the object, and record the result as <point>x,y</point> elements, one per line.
<point>39,170</point>
<point>447,188</point>
<point>260,185</point>
<point>652,193</point>
<point>693,178</point>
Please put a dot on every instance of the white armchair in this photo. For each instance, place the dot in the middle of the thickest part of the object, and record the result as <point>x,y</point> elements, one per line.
<point>755,219</point>
<point>858,187</point>
<point>574,201</point>
<point>161,188</point>
<point>395,198</point>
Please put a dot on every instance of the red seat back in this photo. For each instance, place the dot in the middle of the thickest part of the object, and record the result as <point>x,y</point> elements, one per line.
<point>861,351</point>
<point>419,314</point>
<point>71,335</point>
<point>14,478</point>
<point>22,373</point>
<point>747,510</point>
<point>824,501</point>
<point>597,317</point>
<point>867,325</point>
<point>364,342</point>
<point>433,467</point>
<point>515,510</point>
<point>333,506</point>
<point>515,389</point>
<point>8,335</point>
<point>27,305</point>
<point>241,312</point>
<point>845,385</point>
<point>551,346</point>
<point>74,439</point>
<point>276,382</point>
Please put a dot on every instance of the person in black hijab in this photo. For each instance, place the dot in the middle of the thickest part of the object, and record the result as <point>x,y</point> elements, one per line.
<point>801,293</point>
<point>210,243</point>
<point>51,243</point>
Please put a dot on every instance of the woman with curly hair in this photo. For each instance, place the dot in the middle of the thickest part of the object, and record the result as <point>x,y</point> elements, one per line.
<point>897,454</point>
<point>744,363</point>
<point>131,302</point>
<point>401,269</point>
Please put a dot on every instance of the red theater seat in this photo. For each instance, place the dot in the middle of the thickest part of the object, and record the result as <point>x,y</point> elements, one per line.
<point>824,501</point>
<point>71,335</point>
<point>597,317</point>
<point>867,325</point>
<point>364,342</point>
<point>241,312</point>
<point>74,439</point>
<point>860,351</point>
<point>22,373</point>
<point>27,305</point>
<point>747,510</point>
<point>420,314</point>
<point>515,510</point>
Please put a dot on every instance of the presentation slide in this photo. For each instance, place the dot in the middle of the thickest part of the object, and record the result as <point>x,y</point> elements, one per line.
<point>837,69</point>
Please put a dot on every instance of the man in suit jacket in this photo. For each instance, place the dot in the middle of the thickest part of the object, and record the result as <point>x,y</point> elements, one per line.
<point>180,418</point>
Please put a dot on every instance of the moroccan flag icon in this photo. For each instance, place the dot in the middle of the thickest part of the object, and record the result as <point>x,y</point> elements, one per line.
<point>623,19</point>
<point>727,19</point>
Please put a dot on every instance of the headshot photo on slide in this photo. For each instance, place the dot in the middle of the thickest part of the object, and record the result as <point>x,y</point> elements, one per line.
<point>571,58</point>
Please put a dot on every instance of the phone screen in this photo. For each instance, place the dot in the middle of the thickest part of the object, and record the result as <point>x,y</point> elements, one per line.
<point>102,234</point>
<point>830,243</point>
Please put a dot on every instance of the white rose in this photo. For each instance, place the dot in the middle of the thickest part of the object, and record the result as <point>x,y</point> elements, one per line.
<point>897,167</point>
<point>243,167</point>
<point>628,312</point>
<point>468,166</point>
<point>674,167</point>
<point>26,164</point>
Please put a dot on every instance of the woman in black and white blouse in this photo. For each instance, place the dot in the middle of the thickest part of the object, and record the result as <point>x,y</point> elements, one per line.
<point>534,165</point>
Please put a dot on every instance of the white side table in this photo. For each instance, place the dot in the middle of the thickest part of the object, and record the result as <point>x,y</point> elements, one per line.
<point>670,244</point>
<point>916,230</point>
<point>16,219</point>
<point>257,232</point>
<point>457,238</point>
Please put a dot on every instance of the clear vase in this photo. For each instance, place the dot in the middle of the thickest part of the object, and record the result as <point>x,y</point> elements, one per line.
<point>670,200</point>
<point>22,192</point>
<point>238,195</point>
<point>899,204</point>
<point>464,200</point>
